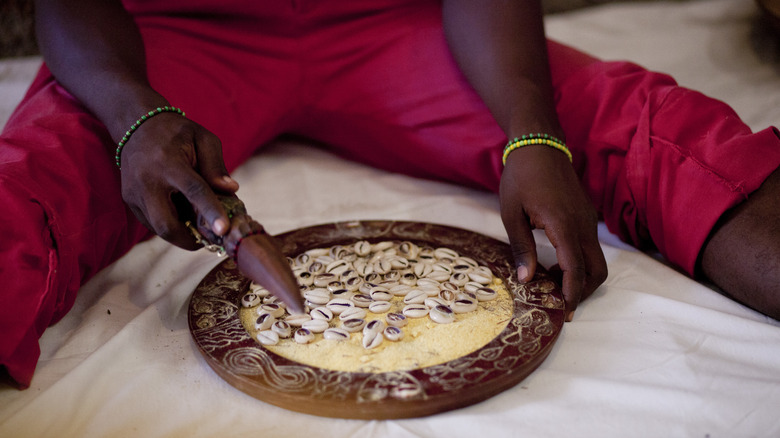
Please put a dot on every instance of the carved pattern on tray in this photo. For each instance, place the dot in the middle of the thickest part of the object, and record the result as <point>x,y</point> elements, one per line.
<point>527,339</point>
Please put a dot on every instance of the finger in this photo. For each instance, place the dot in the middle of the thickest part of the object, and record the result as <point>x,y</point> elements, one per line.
<point>521,242</point>
<point>210,163</point>
<point>596,266</point>
<point>160,214</point>
<point>572,263</point>
<point>202,198</point>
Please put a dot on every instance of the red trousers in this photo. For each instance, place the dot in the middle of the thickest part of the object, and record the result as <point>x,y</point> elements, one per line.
<point>375,81</point>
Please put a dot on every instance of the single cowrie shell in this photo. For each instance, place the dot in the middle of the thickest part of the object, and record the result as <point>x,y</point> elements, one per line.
<point>250,300</point>
<point>441,266</point>
<point>439,275</point>
<point>325,260</point>
<point>342,293</point>
<point>441,253</point>
<point>399,262</point>
<point>322,280</point>
<point>449,285</point>
<point>353,313</point>
<point>353,283</point>
<point>415,310</point>
<point>466,296</point>
<point>442,314</point>
<point>428,282</point>
<point>400,290</point>
<point>431,291</point>
<point>337,267</point>
<point>372,340</point>
<point>381,246</point>
<point>447,295</point>
<point>468,261</point>
<point>268,337</point>
<point>464,305</point>
<point>372,278</point>
<point>363,268</point>
<point>282,329</point>
<point>317,296</point>
<point>362,300</point>
<point>392,333</point>
<point>335,334</point>
<point>317,252</point>
<point>396,319</point>
<point>297,319</point>
<point>335,285</point>
<point>316,268</point>
<point>408,249</point>
<point>338,305</point>
<point>472,286</point>
<point>415,296</point>
<point>302,260</point>
<point>486,294</point>
<point>426,259</point>
<point>379,306</point>
<point>392,276</point>
<point>409,279</point>
<point>432,302</point>
<point>316,325</point>
<point>305,278</point>
<point>322,313</point>
<point>362,248</point>
<point>264,322</point>
<point>353,325</point>
<point>461,268</point>
<point>272,309</point>
<point>481,275</point>
<point>349,273</point>
<point>426,251</point>
<point>382,266</point>
<point>459,279</point>
<point>373,327</point>
<point>381,294</point>
<point>422,270</point>
<point>303,336</point>
<point>447,261</point>
<point>365,287</point>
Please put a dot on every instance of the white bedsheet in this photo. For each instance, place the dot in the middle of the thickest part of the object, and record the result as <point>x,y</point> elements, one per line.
<point>651,354</point>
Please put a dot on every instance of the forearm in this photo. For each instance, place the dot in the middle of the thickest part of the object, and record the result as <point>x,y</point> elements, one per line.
<point>501,47</point>
<point>95,51</point>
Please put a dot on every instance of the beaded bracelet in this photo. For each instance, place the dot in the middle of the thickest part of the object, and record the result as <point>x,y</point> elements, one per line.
<point>532,139</point>
<point>145,117</point>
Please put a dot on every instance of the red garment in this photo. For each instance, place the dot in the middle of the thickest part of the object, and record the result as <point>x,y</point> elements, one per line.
<point>375,81</point>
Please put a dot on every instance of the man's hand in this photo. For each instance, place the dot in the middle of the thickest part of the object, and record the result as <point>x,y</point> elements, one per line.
<point>539,189</point>
<point>169,159</point>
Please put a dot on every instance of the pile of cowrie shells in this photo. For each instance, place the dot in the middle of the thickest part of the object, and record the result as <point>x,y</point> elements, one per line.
<point>342,284</point>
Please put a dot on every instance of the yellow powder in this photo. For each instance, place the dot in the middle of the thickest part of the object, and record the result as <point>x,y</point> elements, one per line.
<point>425,343</point>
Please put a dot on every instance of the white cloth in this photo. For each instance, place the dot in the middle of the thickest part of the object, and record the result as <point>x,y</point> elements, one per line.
<point>651,354</point>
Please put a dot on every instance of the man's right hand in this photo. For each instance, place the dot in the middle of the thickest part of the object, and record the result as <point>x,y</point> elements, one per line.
<point>170,159</point>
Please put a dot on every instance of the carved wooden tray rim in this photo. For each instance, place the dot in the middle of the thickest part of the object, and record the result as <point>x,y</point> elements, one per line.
<point>502,363</point>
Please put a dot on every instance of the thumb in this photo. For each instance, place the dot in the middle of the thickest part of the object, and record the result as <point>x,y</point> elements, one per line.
<point>211,165</point>
<point>521,242</point>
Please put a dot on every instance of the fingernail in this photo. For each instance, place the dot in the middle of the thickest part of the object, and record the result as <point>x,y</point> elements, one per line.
<point>220,226</point>
<point>569,316</point>
<point>228,179</point>
<point>522,273</point>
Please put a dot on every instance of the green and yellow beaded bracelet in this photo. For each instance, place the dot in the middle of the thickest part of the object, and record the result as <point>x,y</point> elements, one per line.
<point>535,139</point>
<point>145,117</point>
